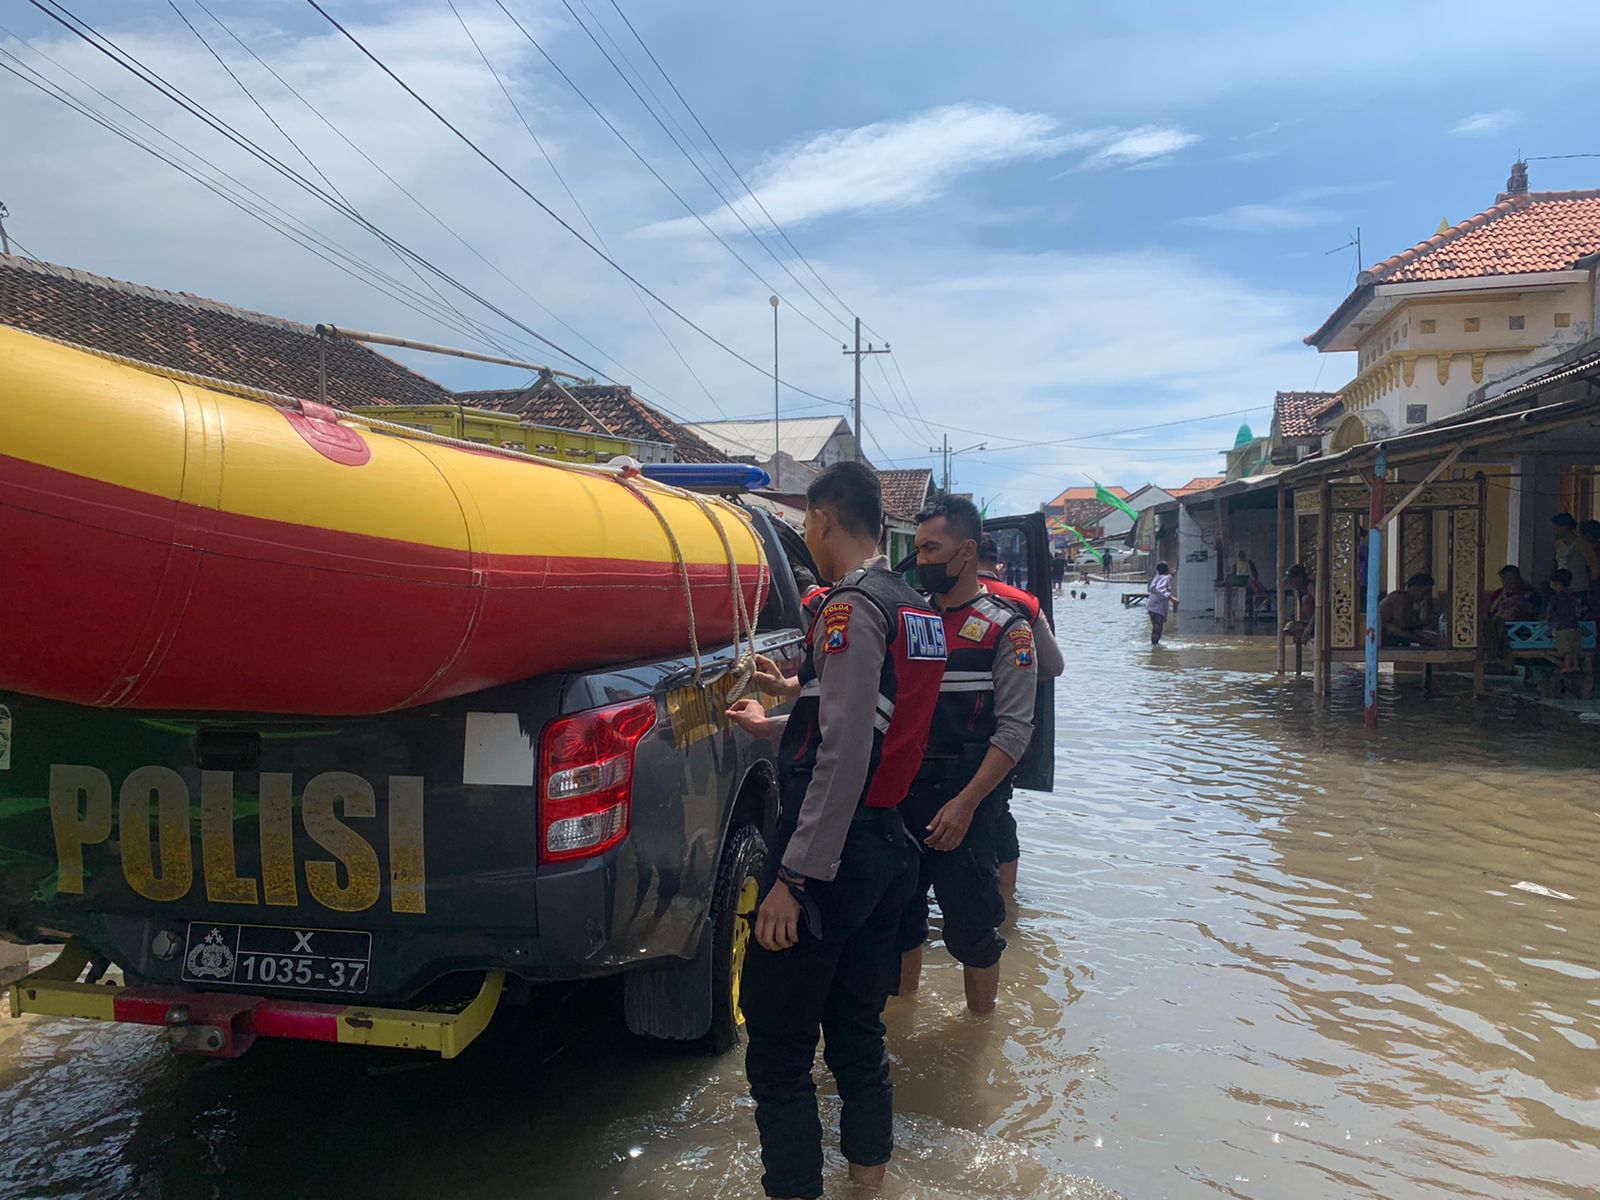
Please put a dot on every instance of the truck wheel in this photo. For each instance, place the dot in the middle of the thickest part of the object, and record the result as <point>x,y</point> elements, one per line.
<point>733,913</point>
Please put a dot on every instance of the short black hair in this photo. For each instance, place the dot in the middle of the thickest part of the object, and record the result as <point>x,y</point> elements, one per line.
<point>1298,571</point>
<point>852,493</point>
<point>1163,569</point>
<point>1420,579</point>
<point>1563,577</point>
<point>1590,529</point>
<point>1513,569</point>
<point>988,549</point>
<point>960,515</point>
<point>1564,521</point>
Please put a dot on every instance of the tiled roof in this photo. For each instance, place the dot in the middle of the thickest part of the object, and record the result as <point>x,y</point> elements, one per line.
<point>1199,483</point>
<point>1085,493</point>
<point>1085,514</point>
<point>602,409</point>
<point>204,337</point>
<point>1522,233</point>
<point>1296,412</point>
<point>905,491</point>
<point>1534,231</point>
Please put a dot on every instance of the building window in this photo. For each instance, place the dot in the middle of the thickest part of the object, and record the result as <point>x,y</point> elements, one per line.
<point>1518,321</point>
<point>1429,325</point>
<point>1416,414</point>
<point>1470,325</point>
<point>1563,320</point>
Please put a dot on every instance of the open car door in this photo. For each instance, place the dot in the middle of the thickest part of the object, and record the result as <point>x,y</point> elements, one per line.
<point>1025,563</point>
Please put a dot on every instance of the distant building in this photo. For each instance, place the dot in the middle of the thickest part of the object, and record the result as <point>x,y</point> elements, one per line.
<point>1476,303</point>
<point>906,492</point>
<point>1295,431</point>
<point>1200,483</point>
<point>813,442</point>
<point>1078,507</point>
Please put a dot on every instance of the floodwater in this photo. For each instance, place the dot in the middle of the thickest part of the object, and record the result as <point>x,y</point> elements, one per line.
<point>1257,953</point>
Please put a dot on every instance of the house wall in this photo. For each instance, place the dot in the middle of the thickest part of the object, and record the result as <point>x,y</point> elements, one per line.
<point>1197,559</point>
<point>1403,363</point>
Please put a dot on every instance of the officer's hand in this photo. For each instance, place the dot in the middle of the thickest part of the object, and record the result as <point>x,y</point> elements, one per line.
<point>778,919</point>
<point>949,826</point>
<point>750,716</point>
<point>769,677</point>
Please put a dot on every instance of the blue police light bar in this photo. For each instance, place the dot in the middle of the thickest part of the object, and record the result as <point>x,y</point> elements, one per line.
<point>737,477</point>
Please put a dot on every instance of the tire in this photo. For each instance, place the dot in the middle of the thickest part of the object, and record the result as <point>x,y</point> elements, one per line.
<point>733,908</point>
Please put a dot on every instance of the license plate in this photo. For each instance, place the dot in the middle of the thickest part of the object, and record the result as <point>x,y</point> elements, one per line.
<point>275,956</point>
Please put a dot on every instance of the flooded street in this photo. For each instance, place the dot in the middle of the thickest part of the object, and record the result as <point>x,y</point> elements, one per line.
<point>1257,953</point>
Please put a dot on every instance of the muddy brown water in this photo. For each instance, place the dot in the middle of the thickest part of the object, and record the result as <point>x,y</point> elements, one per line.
<point>1257,953</point>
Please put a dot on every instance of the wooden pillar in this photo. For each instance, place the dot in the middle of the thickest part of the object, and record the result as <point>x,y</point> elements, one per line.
<point>1324,616</point>
<point>1282,566</point>
<point>1375,528</point>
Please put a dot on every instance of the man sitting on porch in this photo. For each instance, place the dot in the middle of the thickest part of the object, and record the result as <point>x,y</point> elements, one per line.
<point>1405,616</point>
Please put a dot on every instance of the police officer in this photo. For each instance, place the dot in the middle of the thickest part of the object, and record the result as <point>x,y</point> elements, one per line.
<point>842,866</point>
<point>983,723</point>
<point>1051,664</point>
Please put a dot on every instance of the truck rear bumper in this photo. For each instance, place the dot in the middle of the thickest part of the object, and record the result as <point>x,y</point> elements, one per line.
<point>226,1025</point>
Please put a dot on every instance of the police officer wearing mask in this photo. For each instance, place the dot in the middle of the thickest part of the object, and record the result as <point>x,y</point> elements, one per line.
<point>842,866</point>
<point>983,723</point>
<point>1051,664</point>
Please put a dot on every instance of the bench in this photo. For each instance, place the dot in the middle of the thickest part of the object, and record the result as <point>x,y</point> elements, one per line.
<point>1129,599</point>
<point>1427,657</point>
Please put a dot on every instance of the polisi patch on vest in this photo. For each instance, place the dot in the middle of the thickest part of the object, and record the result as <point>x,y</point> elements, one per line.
<point>836,627</point>
<point>924,636</point>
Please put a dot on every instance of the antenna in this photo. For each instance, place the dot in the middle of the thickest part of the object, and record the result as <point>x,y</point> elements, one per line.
<point>1354,241</point>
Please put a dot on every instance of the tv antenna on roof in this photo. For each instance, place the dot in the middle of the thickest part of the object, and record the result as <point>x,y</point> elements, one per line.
<point>1354,241</point>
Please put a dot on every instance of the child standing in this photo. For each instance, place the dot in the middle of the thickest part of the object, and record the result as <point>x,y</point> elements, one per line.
<point>1562,613</point>
<point>1160,601</point>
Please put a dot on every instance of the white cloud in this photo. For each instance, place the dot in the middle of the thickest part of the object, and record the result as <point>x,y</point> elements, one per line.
<point>891,164</point>
<point>1142,145</point>
<point>1264,218</point>
<point>1485,124</point>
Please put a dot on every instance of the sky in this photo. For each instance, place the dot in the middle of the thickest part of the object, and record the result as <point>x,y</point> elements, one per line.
<point>1093,236</point>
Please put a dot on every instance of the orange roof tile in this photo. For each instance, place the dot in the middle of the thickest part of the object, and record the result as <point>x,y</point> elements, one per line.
<point>1199,483</point>
<point>1297,412</point>
<point>1085,493</point>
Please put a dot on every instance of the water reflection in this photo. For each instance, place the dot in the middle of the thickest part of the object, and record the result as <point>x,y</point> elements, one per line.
<point>1257,952</point>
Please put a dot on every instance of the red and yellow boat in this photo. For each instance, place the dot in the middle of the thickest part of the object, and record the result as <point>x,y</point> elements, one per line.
<point>165,545</point>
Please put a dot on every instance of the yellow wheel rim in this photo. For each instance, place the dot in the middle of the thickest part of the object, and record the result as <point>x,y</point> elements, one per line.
<point>742,926</point>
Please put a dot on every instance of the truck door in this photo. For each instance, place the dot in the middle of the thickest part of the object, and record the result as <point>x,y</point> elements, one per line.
<point>1025,558</point>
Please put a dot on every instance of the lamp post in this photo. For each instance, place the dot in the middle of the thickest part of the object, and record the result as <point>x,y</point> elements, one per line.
<point>777,429</point>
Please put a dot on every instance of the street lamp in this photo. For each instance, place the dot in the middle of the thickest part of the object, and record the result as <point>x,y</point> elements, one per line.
<point>777,429</point>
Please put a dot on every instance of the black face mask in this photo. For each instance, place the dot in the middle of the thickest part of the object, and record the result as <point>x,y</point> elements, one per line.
<point>936,577</point>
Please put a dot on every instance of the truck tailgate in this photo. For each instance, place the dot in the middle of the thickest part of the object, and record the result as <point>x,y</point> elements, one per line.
<point>357,856</point>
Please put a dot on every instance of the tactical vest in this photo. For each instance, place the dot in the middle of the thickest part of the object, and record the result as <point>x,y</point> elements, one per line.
<point>998,587</point>
<point>908,688</point>
<point>963,721</point>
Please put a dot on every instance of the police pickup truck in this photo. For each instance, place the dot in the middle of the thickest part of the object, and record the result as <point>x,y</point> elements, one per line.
<point>388,880</point>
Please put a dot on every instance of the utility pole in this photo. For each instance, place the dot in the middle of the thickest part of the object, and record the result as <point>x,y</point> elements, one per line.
<point>5,242</point>
<point>856,354</point>
<point>947,454</point>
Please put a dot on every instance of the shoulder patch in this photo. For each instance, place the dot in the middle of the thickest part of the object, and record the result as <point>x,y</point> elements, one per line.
<point>836,626</point>
<point>975,629</point>
<point>1021,645</point>
<point>924,636</point>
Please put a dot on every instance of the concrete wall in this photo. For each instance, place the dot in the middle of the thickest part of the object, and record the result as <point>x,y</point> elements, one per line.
<point>1196,535</point>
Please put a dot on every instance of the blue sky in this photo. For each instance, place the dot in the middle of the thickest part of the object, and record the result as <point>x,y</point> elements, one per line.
<point>1071,221</point>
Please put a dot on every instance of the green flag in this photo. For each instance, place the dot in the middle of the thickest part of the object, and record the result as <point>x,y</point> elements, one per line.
<point>1115,501</point>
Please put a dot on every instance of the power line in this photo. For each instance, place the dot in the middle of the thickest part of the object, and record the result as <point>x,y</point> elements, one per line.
<point>540,204</point>
<point>709,181</point>
<point>718,147</point>
<point>589,221</point>
<point>418,203</point>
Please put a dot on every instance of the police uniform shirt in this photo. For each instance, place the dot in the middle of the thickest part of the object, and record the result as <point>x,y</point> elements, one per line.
<point>991,651</point>
<point>1052,663</point>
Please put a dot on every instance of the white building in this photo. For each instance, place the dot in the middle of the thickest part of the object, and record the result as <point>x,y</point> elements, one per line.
<point>814,442</point>
<point>1476,303</point>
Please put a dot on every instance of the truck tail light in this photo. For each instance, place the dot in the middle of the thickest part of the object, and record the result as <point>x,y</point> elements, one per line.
<point>586,779</point>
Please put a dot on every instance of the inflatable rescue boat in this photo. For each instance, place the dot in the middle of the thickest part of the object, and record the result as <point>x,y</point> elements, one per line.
<point>165,545</point>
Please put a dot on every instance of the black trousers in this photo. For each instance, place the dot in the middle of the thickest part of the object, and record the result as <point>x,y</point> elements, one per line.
<point>965,881</point>
<point>834,982</point>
